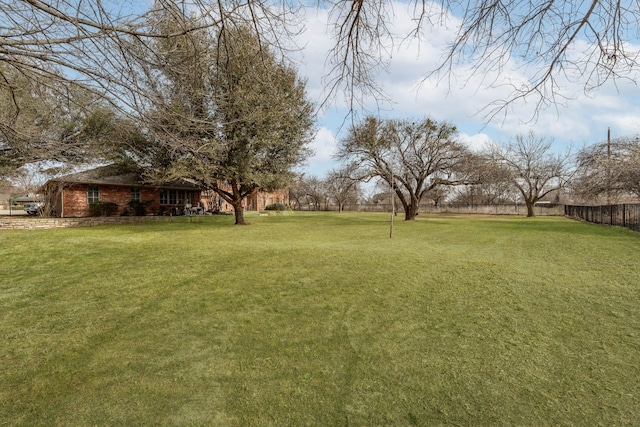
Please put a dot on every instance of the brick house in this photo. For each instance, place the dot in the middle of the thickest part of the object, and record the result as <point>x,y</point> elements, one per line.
<point>78,195</point>
<point>256,201</point>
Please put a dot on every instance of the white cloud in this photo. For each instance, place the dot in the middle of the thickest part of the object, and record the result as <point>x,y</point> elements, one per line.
<point>324,146</point>
<point>477,142</point>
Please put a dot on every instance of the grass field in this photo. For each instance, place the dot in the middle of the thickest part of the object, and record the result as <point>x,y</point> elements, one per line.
<point>321,320</point>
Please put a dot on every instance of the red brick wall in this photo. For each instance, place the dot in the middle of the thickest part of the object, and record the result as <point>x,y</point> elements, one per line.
<point>256,201</point>
<point>76,203</point>
<point>264,199</point>
<point>150,196</point>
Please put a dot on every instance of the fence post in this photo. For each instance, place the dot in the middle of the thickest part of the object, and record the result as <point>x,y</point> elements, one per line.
<point>610,214</point>
<point>600,220</point>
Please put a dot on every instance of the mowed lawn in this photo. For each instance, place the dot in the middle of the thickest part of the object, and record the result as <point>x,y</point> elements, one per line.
<point>320,319</point>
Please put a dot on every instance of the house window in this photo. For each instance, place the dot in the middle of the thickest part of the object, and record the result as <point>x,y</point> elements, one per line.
<point>135,194</point>
<point>175,197</point>
<point>93,194</point>
<point>186,197</point>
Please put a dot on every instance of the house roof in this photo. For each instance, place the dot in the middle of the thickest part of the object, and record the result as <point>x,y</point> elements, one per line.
<point>28,198</point>
<point>117,175</point>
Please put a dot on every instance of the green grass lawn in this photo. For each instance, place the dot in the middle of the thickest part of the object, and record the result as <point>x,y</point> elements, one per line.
<point>321,320</point>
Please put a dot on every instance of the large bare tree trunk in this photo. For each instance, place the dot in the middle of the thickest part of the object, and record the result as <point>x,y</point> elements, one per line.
<point>530,211</point>
<point>411,213</point>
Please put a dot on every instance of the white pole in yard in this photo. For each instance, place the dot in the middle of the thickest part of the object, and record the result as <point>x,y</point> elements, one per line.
<point>393,211</point>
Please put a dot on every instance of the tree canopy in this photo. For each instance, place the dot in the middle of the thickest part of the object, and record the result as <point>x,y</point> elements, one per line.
<point>589,42</point>
<point>609,170</point>
<point>341,186</point>
<point>221,110</point>
<point>412,157</point>
<point>528,163</point>
<point>49,120</point>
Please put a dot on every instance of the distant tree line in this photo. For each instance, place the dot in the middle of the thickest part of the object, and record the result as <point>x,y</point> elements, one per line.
<point>420,160</point>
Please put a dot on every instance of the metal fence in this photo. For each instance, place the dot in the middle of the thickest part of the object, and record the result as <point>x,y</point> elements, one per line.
<point>625,215</point>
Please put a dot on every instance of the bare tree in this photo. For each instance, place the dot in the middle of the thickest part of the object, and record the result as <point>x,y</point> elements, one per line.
<point>608,170</point>
<point>438,195</point>
<point>26,180</point>
<point>490,183</point>
<point>67,57</point>
<point>529,164</point>
<point>342,186</point>
<point>412,157</point>
<point>85,42</point>
<point>51,79</point>
<point>311,191</point>
<point>587,41</point>
<point>49,120</point>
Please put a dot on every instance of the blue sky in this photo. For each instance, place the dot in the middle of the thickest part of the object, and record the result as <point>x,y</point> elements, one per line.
<point>582,119</point>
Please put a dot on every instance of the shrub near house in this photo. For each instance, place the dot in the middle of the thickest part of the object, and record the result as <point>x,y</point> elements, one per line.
<point>276,207</point>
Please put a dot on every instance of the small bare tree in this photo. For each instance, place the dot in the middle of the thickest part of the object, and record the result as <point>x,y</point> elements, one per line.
<point>342,186</point>
<point>490,183</point>
<point>312,191</point>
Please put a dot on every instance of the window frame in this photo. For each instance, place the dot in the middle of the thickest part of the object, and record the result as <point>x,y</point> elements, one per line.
<point>93,194</point>
<point>172,197</point>
<point>135,194</point>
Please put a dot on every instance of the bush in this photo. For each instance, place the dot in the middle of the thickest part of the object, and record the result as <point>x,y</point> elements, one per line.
<point>276,207</point>
<point>102,208</point>
<point>138,208</point>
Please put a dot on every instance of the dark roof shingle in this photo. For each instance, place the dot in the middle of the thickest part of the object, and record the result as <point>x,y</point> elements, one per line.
<point>117,175</point>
